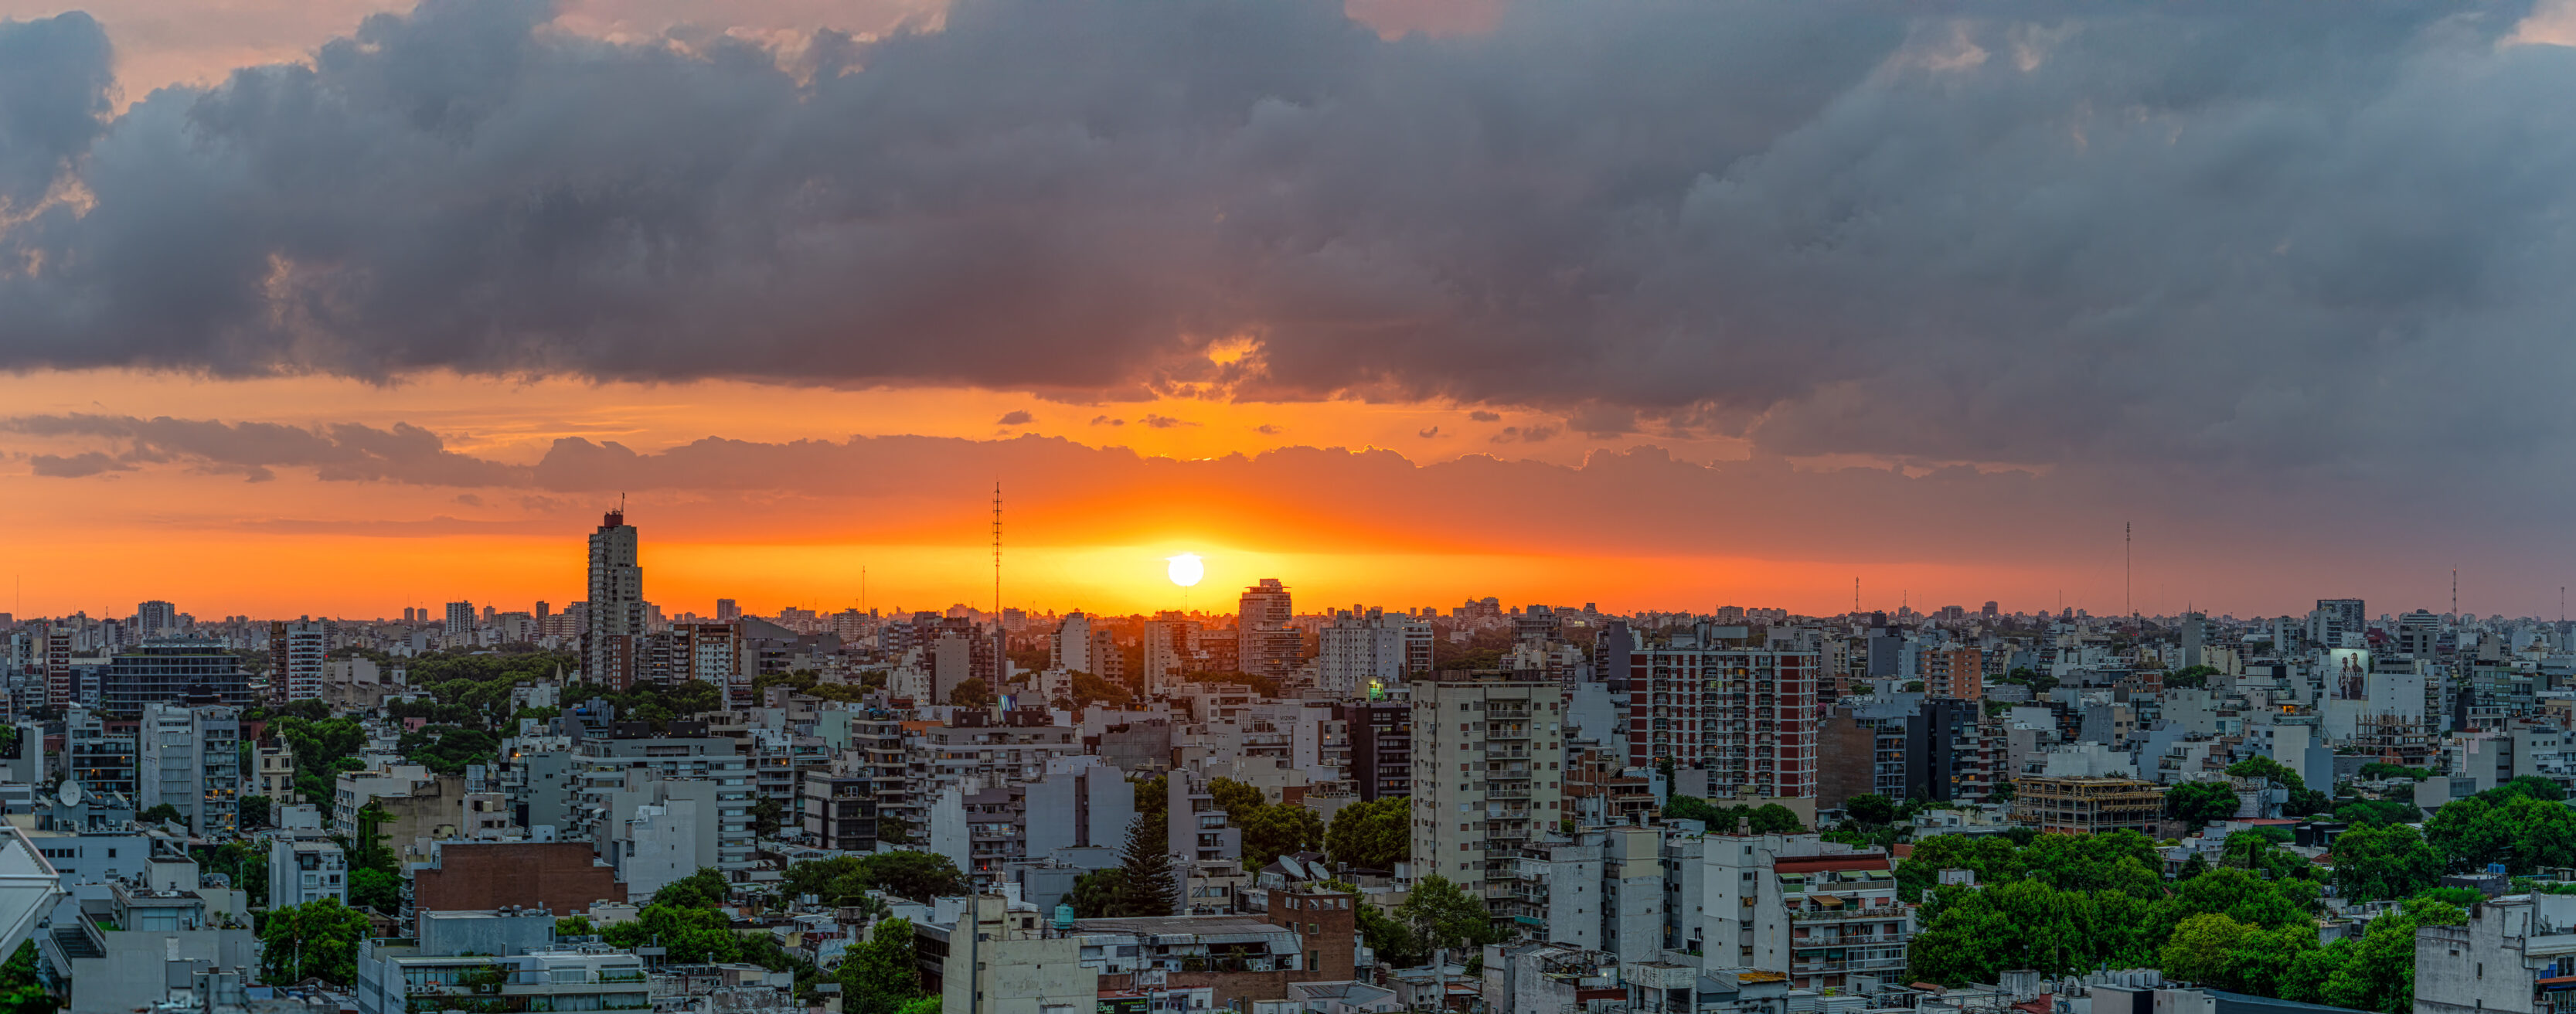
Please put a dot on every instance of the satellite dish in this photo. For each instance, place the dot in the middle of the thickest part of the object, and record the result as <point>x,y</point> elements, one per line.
<point>71,794</point>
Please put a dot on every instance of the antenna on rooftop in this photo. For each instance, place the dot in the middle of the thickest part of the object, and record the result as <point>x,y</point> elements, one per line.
<point>997,552</point>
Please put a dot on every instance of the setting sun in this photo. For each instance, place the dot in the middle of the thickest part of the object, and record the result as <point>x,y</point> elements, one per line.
<point>1186,569</point>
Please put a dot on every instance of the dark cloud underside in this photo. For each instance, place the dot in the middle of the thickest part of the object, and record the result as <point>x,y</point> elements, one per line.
<point>2259,238</point>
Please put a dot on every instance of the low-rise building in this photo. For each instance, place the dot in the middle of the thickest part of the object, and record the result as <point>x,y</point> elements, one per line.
<point>2516,953</point>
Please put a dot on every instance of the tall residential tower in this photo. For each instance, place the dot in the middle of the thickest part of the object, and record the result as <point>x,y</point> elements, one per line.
<point>615,627</point>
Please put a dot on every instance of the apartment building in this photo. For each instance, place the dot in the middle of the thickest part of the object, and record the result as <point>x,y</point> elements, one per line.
<point>1816,911</point>
<point>191,759</point>
<point>1711,699</point>
<point>1489,775</point>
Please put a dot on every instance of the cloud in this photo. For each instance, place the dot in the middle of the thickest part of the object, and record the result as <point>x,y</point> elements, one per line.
<point>1525,434</point>
<point>55,76</point>
<point>1427,432</point>
<point>1016,418</point>
<point>77,466</point>
<point>1164,422</point>
<point>340,452</point>
<point>1269,429</point>
<point>1102,420</point>
<point>1481,415</point>
<point>2263,239</point>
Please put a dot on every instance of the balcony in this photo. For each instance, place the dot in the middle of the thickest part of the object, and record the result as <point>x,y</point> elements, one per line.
<point>1847,914</point>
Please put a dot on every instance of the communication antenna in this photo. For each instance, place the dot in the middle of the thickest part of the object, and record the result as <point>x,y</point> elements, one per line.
<point>997,552</point>
<point>2455,592</point>
<point>1855,596</point>
<point>2126,533</point>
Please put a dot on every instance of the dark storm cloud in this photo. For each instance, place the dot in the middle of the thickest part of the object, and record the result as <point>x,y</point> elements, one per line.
<point>55,74</point>
<point>2263,235</point>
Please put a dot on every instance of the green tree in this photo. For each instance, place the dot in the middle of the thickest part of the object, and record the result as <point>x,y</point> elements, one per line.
<point>1146,880</point>
<point>881,975</point>
<point>1772,818</point>
<point>22,991</point>
<point>1443,918</point>
<point>766,816</point>
<point>2358,812</point>
<point>971,692</point>
<point>1386,935</point>
<point>1373,835</point>
<point>375,889</point>
<point>164,813</point>
<point>1275,831</point>
<point>2379,972</point>
<point>1096,894</point>
<point>2391,861</point>
<point>2379,771</point>
<point>2470,833</point>
<point>314,940</point>
<point>1682,807</point>
<point>2204,949</point>
<point>915,874</point>
<point>2190,676</point>
<point>575,926</point>
<point>690,935</point>
<point>1871,808</point>
<point>1238,800</point>
<point>2198,803</point>
<point>707,888</point>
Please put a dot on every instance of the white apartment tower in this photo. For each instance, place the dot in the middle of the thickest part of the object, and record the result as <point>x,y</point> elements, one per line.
<point>1488,775</point>
<point>616,604</point>
<point>1367,647</point>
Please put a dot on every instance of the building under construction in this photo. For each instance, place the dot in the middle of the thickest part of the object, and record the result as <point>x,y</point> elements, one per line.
<point>2089,805</point>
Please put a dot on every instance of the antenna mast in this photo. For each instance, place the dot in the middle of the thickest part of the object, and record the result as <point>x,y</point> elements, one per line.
<point>997,552</point>
<point>2126,528</point>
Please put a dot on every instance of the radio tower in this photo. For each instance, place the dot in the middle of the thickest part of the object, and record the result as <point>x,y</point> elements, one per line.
<point>2125,605</point>
<point>997,552</point>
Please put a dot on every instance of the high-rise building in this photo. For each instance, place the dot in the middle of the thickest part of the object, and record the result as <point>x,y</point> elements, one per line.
<point>2335,618</point>
<point>1069,648</point>
<point>1364,649</point>
<point>616,604</point>
<point>1955,673</point>
<point>1744,712</point>
<point>727,611</point>
<point>1268,646</point>
<point>460,619</point>
<point>544,609</point>
<point>157,618</point>
<point>1169,652</point>
<point>58,666</point>
<point>191,759</point>
<point>1381,737</point>
<point>1488,762</point>
<point>298,651</point>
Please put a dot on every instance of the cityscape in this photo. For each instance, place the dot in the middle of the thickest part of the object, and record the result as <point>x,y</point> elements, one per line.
<point>1286,507</point>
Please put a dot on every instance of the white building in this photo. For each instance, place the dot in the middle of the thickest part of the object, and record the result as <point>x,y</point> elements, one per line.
<point>1364,649</point>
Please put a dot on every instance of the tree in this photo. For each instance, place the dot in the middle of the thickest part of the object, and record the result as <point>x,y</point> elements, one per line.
<point>1443,918</point>
<point>314,940</point>
<point>881,975</point>
<point>1871,808</point>
<point>1275,831</point>
<point>1238,800</point>
<point>893,830</point>
<point>2259,766</point>
<point>2203,949</point>
<point>21,990</point>
<point>2358,812</point>
<point>2192,676</point>
<point>1146,880</point>
<point>575,926</point>
<point>2379,771</point>
<point>706,888</point>
<point>1388,937</point>
<point>972,692</point>
<point>255,813</point>
<point>914,874</point>
<point>372,888</point>
<point>1374,835</point>
<point>2392,861</point>
<point>1772,818</point>
<point>689,935</point>
<point>164,813</point>
<point>766,816</point>
<point>1096,894</point>
<point>2198,803</point>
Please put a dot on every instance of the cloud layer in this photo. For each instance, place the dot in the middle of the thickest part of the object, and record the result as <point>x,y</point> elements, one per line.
<point>2246,239</point>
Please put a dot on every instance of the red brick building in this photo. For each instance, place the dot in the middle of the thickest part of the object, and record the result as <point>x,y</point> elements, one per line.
<point>561,877</point>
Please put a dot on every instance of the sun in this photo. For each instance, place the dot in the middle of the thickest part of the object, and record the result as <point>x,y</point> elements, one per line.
<point>1186,569</point>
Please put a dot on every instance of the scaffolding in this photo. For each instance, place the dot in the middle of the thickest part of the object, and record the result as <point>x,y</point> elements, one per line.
<point>2088,805</point>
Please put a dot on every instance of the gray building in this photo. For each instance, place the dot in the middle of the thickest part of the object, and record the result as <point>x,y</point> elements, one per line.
<point>302,870</point>
<point>191,759</point>
<point>2516,953</point>
<point>505,960</point>
<point>170,672</point>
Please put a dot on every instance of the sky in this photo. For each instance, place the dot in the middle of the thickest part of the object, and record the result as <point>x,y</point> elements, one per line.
<point>335,307</point>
